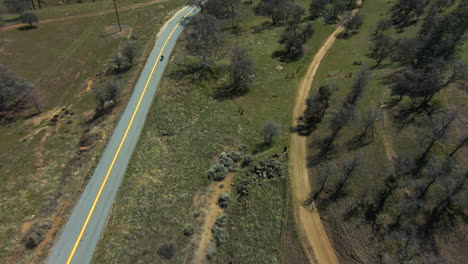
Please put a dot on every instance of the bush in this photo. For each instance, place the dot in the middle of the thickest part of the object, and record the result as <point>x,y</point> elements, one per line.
<point>188,230</point>
<point>248,159</point>
<point>220,235</point>
<point>223,200</point>
<point>221,220</point>
<point>235,156</point>
<point>36,234</point>
<point>217,172</point>
<point>225,159</point>
<point>167,251</point>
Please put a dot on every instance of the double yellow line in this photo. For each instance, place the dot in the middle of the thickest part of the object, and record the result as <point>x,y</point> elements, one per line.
<point>90,213</point>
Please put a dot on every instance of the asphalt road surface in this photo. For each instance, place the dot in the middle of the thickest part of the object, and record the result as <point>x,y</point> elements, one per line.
<point>81,234</point>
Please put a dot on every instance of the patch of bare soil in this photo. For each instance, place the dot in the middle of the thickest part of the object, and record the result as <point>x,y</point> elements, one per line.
<point>206,241</point>
<point>115,32</point>
<point>311,231</point>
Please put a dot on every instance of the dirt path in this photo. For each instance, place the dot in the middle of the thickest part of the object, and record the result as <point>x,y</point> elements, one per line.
<point>213,212</point>
<point>311,231</point>
<point>91,14</point>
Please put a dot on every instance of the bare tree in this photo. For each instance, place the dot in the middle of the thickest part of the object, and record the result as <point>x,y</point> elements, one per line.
<point>382,25</point>
<point>277,10</point>
<point>317,7</point>
<point>241,70</point>
<point>316,105</point>
<point>129,50</point>
<point>381,48</point>
<point>16,94</point>
<point>368,120</point>
<point>118,60</point>
<point>354,23</point>
<point>406,52</point>
<point>29,18</point>
<point>17,6</point>
<point>307,33</point>
<point>270,130</point>
<point>429,22</point>
<point>403,11</point>
<point>425,82</point>
<point>204,40</point>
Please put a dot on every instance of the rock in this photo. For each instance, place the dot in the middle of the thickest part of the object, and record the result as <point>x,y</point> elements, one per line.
<point>279,68</point>
<point>109,104</point>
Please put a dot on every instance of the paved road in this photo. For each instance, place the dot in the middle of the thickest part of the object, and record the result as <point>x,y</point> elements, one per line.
<point>87,221</point>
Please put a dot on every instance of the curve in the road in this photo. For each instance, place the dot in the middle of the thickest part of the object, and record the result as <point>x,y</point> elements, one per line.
<point>311,232</point>
<point>87,221</point>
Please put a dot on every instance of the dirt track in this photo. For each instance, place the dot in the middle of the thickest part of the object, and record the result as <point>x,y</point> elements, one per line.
<point>314,238</point>
<point>91,14</point>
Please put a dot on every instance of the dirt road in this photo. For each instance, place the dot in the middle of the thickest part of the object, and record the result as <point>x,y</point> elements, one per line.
<point>91,14</point>
<point>314,238</point>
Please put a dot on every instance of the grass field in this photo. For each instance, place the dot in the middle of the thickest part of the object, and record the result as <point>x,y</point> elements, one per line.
<point>55,9</point>
<point>42,171</point>
<point>353,239</point>
<point>166,187</point>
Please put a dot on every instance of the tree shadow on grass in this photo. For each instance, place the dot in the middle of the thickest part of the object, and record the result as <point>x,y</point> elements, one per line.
<point>26,28</point>
<point>409,114</point>
<point>283,57</point>
<point>16,19</point>
<point>262,27</point>
<point>260,147</point>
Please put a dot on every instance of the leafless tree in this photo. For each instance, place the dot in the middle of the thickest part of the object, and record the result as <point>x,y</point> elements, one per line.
<point>354,23</point>
<point>118,60</point>
<point>381,48</point>
<point>382,25</point>
<point>129,50</point>
<point>241,70</point>
<point>204,40</point>
<point>368,120</point>
<point>270,130</point>
<point>316,106</point>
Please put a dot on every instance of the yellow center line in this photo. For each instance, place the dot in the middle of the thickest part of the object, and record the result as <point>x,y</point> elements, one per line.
<point>77,242</point>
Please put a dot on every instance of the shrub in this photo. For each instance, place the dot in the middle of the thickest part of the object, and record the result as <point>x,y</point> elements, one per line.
<point>223,200</point>
<point>188,230</point>
<point>235,156</point>
<point>221,220</point>
<point>167,251</point>
<point>248,159</point>
<point>217,172</point>
<point>36,234</point>
<point>225,159</point>
<point>270,130</point>
<point>220,235</point>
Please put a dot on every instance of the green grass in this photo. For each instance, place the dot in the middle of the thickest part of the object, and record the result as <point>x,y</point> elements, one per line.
<point>166,181</point>
<point>49,189</point>
<point>339,60</point>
